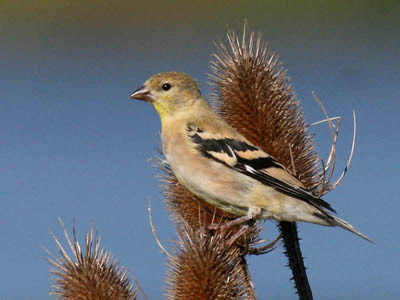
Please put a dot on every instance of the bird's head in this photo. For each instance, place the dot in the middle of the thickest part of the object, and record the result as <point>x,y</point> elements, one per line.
<point>169,92</point>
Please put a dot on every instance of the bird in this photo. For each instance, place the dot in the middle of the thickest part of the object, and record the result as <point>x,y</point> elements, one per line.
<point>220,166</point>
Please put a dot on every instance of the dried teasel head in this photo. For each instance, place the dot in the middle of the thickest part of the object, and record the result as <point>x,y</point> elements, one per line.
<point>251,91</point>
<point>89,274</point>
<point>205,267</point>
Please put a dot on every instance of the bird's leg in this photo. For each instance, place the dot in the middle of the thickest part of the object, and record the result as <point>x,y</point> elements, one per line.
<point>252,213</point>
<point>237,235</point>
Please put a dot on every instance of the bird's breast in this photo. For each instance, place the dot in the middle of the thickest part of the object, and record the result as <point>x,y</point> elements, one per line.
<point>209,180</point>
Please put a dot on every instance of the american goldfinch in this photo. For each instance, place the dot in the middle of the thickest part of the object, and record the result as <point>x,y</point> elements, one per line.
<point>220,166</point>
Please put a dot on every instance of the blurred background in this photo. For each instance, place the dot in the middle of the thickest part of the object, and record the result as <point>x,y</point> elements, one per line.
<point>72,144</point>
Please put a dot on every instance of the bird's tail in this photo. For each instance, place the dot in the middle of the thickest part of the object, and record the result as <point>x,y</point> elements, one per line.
<point>345,225</point>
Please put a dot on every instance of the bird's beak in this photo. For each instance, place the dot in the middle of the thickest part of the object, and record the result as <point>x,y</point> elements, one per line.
<point>143,94</point>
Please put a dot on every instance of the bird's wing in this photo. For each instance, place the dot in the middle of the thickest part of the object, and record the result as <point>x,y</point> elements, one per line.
<point>250,160</point>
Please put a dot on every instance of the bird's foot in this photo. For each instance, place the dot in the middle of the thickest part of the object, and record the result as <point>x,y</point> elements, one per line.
<point>245,224</point>
<point>265,249</point>
<point>252,213</point>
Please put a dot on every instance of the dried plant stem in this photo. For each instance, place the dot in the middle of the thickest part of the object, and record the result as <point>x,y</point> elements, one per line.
<point>291,243</point>
<point>295,259</point>
<point>153,231</point>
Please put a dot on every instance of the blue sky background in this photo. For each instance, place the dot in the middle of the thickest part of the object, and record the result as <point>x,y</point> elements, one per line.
<point>74,145</point>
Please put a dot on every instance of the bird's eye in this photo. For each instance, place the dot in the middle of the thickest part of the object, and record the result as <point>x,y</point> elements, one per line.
<point>166,86</point>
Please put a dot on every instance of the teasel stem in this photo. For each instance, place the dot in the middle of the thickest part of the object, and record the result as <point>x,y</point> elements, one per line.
<point>291,242</point>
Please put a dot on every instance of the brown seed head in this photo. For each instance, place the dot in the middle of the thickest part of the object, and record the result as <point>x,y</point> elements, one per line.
<point>91,274</point>
<point>205,268</point>
<point>252,92</point>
